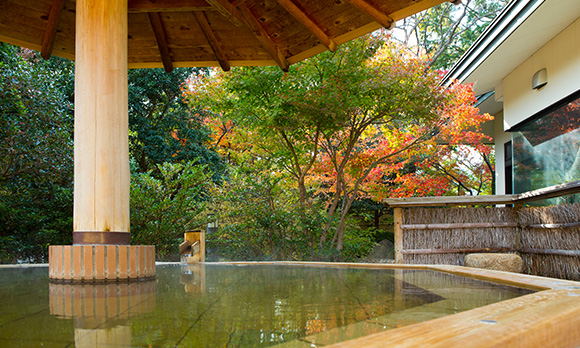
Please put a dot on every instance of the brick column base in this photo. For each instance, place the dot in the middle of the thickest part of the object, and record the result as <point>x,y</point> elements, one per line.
<point>100,263</point>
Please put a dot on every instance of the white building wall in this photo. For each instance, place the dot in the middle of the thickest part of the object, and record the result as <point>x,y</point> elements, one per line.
<point>500,138</point>
<point>561,58</point>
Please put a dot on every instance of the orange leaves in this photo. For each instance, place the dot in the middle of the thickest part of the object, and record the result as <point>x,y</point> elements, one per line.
<point>460,120</point>
<point>366,119</point>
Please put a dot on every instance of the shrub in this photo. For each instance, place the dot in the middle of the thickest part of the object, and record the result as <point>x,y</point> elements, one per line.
<point>164,207</point>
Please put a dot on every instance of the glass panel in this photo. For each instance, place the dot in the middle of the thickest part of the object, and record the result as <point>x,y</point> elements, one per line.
<point>547,151</point>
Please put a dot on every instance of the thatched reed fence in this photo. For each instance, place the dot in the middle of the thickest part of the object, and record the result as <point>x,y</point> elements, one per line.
<point>435,230</point>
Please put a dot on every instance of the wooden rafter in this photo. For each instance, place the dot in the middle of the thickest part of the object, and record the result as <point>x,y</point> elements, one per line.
<point>242,17</point>
<point>161,38</point>
<point>212,40</point>
<point>51,28</point>
<point>136,6</point>
<point>237,3</point>
<point>375,13</point>
<point>264,39</point>
<point>309,24</point>
<point>229,11</point>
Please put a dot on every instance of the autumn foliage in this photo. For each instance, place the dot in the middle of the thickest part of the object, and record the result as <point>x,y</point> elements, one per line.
<point>370,120</point>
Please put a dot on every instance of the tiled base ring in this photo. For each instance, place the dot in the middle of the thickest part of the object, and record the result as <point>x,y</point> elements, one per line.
<point>101,263</point>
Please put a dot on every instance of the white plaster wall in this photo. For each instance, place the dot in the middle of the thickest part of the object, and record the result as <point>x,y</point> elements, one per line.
<point>500,138</point>
<point>561,58</point>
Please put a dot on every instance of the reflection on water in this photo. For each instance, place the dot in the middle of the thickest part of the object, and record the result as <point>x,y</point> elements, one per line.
<point>101,312</point>
<point>193,277</point>
<point>225,305</point>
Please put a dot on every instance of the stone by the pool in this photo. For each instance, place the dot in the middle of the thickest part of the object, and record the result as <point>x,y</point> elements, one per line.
<point>498,262</point>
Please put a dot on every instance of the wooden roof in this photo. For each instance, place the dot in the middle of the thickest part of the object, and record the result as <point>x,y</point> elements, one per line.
<point>178,33</point>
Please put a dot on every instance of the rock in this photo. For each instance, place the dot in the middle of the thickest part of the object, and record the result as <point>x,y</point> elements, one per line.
<point>499,262</point>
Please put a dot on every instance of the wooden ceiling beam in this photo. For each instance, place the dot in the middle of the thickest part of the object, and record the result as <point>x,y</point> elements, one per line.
<point>309,24</point>
<point>140,6</point>
<point>264,39</point>
<point>375,13</point>
<point>212,39</point>
<point>161,38</point>
<point>51,27</point>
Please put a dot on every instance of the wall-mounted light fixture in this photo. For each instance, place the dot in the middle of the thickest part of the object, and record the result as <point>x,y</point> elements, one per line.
<point>540,79</point>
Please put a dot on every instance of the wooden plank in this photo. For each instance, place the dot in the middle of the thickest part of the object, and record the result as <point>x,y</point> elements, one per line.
<point>351,35</point>
<point>550,192</point>
<point>264,38</point>
<point>372,11</point>
<point>454,251</point>
<point>415,7</point>
<point>141,6</point>
<point>398,220</point>
<point>558,252</point>
<point>552,226</point>
<point>312,27</point>
<point>184,247</point>
<point>459,226</point>
<point>161,38</point>
<point>212,40</point>
<point>451,201</point>
<point>548,318</point>
<point>228,11</point>
<point>544,193</point>
<point>50,32</point>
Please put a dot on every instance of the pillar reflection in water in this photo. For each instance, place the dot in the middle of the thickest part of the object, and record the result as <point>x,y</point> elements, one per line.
<point>192,276</point>
<point>102,312</point>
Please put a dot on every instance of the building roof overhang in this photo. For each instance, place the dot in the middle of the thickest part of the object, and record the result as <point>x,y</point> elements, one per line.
<point>520,30</point>
<point>178,33</point>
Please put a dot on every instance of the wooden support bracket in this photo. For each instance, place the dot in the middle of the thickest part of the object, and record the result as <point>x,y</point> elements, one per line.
<point>264,38</point>
<point>309,24</point>
<point>375,13</point>
<point>161,38</point>
<point>229,11</point>
<point>51,28</point>
<point>212,40</point>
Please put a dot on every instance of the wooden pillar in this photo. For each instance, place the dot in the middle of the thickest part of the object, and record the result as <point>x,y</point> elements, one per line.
<point>398,219</point>
<point>101,250</point>
<point>101,152</point>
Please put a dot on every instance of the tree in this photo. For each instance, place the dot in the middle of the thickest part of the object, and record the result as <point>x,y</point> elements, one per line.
<point>162,128</point>
<point>350,112</point>
<point>446,31</point>
<point>164,206</point>
<point>36,155</point>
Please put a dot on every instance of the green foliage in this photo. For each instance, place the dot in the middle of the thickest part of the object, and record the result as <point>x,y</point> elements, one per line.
<point>334,119</point>
<point>36,155</point>
<point>163,207</point>
<point>358,242</point>
<point>162,127</point>
<point>260,219</point>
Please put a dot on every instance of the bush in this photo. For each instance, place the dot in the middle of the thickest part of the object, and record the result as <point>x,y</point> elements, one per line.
<point>260,219</point>
<point>164,207</point>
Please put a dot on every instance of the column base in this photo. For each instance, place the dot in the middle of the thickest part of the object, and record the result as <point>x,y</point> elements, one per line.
<point>100,263</point>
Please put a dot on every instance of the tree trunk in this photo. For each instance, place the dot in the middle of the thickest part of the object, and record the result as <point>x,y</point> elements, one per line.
<point>347,203</point>
<point>331,212</point>
<point>302,190</point>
